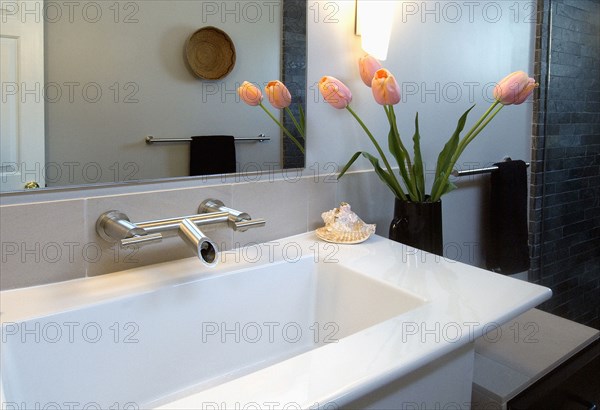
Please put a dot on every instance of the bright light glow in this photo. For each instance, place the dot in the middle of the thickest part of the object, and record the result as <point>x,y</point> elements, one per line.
<point>374,20</point>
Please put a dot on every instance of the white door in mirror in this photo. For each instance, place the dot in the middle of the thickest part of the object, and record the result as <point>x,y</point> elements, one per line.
<point>22,79</point>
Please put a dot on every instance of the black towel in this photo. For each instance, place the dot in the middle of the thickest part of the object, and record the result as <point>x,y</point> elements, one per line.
<point>508,251</point>
<point>212,154</point>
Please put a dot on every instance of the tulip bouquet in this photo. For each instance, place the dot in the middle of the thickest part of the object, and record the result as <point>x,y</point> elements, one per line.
<point>513,89</point>
<point>280,98</point>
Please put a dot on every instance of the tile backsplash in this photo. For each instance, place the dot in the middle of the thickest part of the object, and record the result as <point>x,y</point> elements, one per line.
<point>54,241</point>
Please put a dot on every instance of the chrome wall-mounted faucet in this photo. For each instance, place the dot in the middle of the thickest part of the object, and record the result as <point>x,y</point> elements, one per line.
<point>114,226</point>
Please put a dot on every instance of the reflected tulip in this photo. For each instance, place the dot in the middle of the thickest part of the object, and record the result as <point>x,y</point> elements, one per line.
<point>250,94</point>
<point>278,94</point>
<point>335,92</point>
<point>514,88</point>
<point>368,66</point>
<point>385,88</point>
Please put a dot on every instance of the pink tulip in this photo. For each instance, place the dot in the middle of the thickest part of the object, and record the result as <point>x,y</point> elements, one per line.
<point>278,94</point>
<point>367,66</point>
<point>250,94</point>
<point>526,91</point>
<point>335,92</point>
<point>514,88</point>
<point>385,88</point>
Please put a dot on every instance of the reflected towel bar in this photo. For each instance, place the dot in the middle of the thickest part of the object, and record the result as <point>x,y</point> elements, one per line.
<point>477,171</point>
<point>151,140</point>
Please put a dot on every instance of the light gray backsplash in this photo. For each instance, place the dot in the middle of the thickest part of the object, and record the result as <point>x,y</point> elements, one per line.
<point>42,243</point>
<point>32,233</point>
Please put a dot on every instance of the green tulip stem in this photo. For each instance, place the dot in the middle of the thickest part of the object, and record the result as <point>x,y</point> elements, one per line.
<point>467,139</point>
<point>485,119</point>
<point>300,147</point>
<point>383,157</point>
<point>472,136</point>
<point>475,132</point>
<point>298,127</point>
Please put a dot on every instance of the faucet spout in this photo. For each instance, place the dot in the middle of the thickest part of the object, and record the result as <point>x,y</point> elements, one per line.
<point>204,247</point>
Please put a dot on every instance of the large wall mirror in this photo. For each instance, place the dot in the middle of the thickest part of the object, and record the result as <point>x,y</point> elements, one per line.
<point>115,73</point>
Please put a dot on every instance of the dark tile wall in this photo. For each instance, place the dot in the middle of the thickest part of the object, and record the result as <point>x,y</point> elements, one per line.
<point>565,191</point>
<point>294,74</point>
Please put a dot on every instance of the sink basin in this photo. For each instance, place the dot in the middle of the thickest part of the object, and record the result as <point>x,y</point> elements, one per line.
<point>261,324</point>
<point>169,342</point>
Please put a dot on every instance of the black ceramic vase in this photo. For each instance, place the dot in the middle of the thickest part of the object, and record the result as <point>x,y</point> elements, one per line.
<point>418,224</point>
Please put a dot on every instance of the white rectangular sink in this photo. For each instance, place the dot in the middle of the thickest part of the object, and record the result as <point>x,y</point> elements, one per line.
<point>143,347</point>
<point>178,334</point>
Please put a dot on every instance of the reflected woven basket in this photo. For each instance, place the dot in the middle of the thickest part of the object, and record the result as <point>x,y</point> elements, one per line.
<point>210,53</point>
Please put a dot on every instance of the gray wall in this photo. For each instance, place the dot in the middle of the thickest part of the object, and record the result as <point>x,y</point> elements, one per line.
<point>427,53</point>
<point>136,59</point>
<point>446,59</point>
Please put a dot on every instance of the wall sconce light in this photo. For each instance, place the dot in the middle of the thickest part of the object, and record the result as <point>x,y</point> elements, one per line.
<point>374,20</point>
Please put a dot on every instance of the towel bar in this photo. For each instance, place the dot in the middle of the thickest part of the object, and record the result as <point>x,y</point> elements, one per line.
<point>476,171</point>
<point>151,140</point>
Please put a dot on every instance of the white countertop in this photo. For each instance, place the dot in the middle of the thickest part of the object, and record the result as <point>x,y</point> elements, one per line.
<point>462,302</point>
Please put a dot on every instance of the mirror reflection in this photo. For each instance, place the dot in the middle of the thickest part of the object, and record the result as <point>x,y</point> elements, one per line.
<point>116,73</point>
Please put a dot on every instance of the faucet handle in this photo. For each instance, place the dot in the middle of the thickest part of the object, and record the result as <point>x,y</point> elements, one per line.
<point>215,205</point>
<point>239,221</point>
<point>244,225</point>
<point>115,226</point>
<point>141,239</point>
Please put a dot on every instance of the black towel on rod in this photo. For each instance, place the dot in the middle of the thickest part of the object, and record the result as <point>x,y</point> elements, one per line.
<point>507,250</point>
<point>212,154</point>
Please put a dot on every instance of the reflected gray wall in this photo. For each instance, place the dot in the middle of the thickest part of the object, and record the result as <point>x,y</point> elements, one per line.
<point>114,79</point>
<point>293,71</point>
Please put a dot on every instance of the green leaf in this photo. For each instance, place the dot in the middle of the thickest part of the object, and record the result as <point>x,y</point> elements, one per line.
<point>395,149</point>
<point>402,156</point>
<point>449,187</point>
<point>387,179</point>
<point>398,154</point>
<point>447,153</point>
<point>384,176</point>
<point>302,118</point>
<point>349,164</point>
<point>418,162</point>
<point>298,126</point>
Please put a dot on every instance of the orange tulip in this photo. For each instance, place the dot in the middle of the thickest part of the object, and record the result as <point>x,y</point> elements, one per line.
<point>385,88</point>
<point>514,88</point>
<point>278,94</point>
<point>367,66</point>
<point>250,94</point>
<point>335,92</point>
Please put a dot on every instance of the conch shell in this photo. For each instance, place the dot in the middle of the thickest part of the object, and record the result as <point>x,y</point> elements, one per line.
<point>344,226</point>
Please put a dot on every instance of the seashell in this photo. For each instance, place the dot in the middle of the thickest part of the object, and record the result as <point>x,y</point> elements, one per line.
<point>344,226</point>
